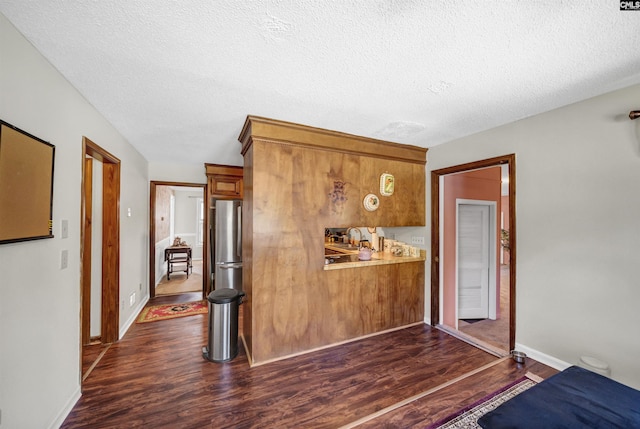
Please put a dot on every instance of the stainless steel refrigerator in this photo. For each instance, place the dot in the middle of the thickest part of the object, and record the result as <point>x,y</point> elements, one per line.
<point>226,239</point>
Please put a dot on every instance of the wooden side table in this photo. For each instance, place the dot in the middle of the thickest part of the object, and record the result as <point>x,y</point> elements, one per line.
<point>180,256</point>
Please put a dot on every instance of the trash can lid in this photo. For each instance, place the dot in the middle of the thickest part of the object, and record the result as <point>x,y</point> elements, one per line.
<point>224,296</point>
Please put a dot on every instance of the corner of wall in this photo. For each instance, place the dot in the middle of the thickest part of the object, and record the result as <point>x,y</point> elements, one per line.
<point>134,315</point>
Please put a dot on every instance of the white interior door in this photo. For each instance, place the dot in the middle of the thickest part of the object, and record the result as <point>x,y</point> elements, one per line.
<point>474,260</point>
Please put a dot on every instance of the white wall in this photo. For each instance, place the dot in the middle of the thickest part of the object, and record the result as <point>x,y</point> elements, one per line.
<point>186,217</point>
<point>180,173</point>
<point>578,227</point>
<point>39,302</point>
<point>161,264</point>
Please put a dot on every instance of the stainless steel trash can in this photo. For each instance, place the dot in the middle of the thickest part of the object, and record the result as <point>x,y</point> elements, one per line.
<point>223,325</point>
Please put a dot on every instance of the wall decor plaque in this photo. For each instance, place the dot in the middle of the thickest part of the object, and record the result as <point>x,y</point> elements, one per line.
<point>387,183</point>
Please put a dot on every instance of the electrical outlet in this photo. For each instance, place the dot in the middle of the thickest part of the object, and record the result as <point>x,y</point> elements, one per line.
<point>132,299</point>
<point>417,240</point>
<point>64,259</point>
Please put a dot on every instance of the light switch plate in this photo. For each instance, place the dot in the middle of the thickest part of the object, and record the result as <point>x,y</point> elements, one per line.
<point>64,259</point>
<point>64,228</point>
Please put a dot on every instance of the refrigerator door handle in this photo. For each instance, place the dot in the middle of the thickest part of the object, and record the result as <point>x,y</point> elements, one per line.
<point>239,232</point>
<point>229,266</point>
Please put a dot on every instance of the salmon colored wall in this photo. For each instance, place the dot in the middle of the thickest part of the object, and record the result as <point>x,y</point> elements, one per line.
<point>505,217</point>
<point>474,185</point>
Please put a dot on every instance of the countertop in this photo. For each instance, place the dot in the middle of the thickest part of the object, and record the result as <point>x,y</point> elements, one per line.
<point>377,258</point>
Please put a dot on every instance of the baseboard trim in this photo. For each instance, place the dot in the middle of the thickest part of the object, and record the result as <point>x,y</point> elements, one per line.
<point>131,320</point>
<point>544,358</point>
<point>328,346</point>
<point>246,350</point>
<point>71,402</point>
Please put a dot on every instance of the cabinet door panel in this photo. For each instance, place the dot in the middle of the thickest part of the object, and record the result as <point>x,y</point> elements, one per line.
<point>230,186</point>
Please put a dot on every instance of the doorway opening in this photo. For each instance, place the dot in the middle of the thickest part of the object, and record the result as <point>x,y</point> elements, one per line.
<point>485,265</point>
<point>99,253</point>
<point>177,213</point>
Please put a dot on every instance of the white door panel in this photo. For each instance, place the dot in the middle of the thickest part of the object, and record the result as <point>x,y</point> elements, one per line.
<point>473,261</point>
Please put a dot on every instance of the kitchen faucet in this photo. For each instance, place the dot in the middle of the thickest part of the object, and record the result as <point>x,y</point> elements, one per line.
<point>349,234</point>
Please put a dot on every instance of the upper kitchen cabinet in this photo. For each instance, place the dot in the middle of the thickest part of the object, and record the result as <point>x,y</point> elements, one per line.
<point>225,181</point>
<point>330,174</point>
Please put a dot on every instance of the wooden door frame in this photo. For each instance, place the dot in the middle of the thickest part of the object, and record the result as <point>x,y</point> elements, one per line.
<point>206,279</point>
<point>509,160</point>
<point>110,319</point>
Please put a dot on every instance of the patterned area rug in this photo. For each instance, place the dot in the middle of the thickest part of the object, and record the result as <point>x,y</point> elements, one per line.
<point>171,311</point>
<point>467,418</point>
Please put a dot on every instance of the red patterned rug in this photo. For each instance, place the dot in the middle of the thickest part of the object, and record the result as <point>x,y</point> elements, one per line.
<point>171,311</point>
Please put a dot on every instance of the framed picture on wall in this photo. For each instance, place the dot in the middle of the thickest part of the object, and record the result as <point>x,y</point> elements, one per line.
<point>26,186</point>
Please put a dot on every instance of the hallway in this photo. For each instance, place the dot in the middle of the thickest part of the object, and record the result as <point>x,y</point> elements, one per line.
<point>179,283</point>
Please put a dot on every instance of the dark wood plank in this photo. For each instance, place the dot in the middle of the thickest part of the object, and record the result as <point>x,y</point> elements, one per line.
<point>156,377</point>
<point>450,399</point>
<point>91,353</point>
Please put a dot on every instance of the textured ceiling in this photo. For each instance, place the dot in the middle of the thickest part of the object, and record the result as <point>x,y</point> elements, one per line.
<point>177,78</point>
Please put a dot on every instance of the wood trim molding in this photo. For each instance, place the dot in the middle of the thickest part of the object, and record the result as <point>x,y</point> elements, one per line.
<point>435,249</point>
<point>152,239</point>
<point>435,235</point>
<point>110,240</point>
<point>288,133</point>
<point>229,170</point>
<point>87,196</point>
<point>110,252</point>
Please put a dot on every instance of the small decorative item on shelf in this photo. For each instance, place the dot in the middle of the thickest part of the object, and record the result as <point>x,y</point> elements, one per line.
<point>387,182</point>
<point>388,244</point>
<point>396,249</point>
<point>406,250</point>
<point>178,242</point>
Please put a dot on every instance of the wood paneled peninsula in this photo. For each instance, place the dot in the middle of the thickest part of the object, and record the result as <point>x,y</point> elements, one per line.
<point>297,181</point>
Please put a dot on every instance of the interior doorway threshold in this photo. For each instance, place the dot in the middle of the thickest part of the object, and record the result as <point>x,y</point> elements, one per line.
<point>104,347</point>
<point>489,348</point>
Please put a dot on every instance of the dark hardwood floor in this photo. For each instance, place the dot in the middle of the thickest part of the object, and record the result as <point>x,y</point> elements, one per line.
<point>91,355</point>
<point>155,377</point>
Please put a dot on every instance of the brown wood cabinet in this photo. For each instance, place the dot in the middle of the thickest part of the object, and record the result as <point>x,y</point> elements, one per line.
<point>224,181</point>
<point>299,180</point>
